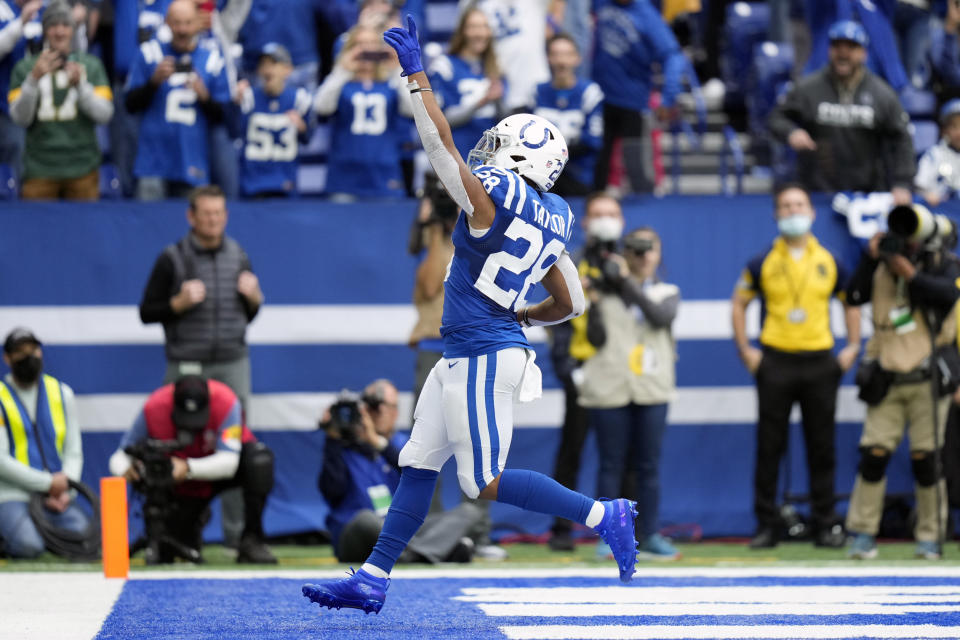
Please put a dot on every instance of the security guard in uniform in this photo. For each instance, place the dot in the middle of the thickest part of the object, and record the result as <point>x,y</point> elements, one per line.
<point>795,279</point>
<point>908,289</point>
<point>39,448</point>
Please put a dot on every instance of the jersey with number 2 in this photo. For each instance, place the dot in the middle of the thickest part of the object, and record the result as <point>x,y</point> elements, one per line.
<point>495,273</point>
<point>173,129</point>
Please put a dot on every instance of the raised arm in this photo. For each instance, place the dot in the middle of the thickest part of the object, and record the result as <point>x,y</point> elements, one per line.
<point>464,187</point>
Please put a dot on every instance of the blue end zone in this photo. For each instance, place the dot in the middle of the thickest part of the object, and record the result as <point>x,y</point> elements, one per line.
<point>426,608</point>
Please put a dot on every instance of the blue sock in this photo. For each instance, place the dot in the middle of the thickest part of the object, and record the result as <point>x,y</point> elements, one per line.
<point>407,511</point>
<point>536,492</point>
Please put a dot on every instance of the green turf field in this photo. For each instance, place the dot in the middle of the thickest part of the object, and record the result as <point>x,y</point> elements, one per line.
<point>703,554</point>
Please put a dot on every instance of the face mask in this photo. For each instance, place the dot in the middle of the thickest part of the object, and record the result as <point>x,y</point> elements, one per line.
<point>27,370</point>
<point>795,225</point>
<point>605,229</point>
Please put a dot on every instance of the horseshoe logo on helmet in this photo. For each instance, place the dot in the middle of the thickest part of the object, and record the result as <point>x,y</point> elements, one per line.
<point>534,145</point>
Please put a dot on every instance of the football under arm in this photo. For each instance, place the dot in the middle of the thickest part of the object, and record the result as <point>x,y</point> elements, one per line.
<point>464,187</point>
<point>566,299</point>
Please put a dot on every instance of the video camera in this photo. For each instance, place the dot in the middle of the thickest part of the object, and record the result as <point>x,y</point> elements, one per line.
<point>916,224</point>
<point>151,459</point>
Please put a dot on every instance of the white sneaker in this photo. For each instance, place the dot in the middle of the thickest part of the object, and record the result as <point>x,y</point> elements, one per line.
<point>490,552</point>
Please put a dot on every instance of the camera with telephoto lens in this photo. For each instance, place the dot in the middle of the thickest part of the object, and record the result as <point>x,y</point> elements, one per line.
<point>444,209</point>
<point>345,417</point>
<point>604,273</point>
<point>916,224</point>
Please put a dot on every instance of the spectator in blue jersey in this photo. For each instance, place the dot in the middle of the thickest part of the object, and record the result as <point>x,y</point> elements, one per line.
<point>938,172</point>
<point>180,88</point>
<point>468,81</point>
<point>276,116</point>
<point>13,16</point>
<point>630,38</point>
<point>575,105</point>
<point>366,98</point>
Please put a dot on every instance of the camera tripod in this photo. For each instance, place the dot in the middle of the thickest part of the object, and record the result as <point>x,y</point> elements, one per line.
<point>156,540</point>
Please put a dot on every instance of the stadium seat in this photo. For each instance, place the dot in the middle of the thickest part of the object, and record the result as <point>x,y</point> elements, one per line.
<point>919,104</point>
<point>8,183</point>
<point>109,182</point>
<point>769,74</point>
<point>746,26</point>
<point>925,134</point>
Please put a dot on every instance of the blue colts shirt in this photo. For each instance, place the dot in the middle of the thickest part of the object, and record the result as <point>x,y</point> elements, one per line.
<point>494,274</point>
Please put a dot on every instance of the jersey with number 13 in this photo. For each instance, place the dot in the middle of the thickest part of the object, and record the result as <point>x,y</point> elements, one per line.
<point>494,273</point>
<point>173,129</point>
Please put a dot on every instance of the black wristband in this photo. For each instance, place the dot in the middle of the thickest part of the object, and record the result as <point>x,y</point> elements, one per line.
<point>419,89</point>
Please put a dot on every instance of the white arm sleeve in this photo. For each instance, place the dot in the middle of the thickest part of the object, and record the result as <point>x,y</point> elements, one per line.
<point>444,164</point>
<point>329,92</point>
<point>9,36</point>
<point>572,280</point>
<point>222,465</point>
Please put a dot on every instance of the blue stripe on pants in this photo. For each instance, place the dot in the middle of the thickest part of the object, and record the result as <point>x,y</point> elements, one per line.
<point>474,425</point>
<point>492,415</point>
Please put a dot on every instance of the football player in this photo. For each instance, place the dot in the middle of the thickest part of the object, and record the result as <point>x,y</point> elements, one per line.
<point>511,235</point>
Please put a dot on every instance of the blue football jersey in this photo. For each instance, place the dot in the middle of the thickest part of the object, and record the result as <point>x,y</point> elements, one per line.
<point>151,17</point>
<point>578,113</point>
<point>173,129</point>
<point>9,11</point>
<point>493,275</point>
<point>288,21</point>
<point>365,140</point>
<point>459,83</point>
<point>270,144</point>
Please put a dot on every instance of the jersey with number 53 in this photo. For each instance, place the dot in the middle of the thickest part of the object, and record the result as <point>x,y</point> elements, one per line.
<point>270,144</point>
<point>62,139</point>
<point>494,273</point>
<point>173,129</point>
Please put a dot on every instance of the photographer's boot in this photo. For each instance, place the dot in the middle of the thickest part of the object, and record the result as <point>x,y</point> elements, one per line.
<point>253,550</point>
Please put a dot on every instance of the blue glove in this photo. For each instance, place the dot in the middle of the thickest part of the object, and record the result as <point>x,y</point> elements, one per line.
<point>405,43</point>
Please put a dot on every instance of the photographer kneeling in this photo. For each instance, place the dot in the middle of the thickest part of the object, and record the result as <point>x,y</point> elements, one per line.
<point>910,276</point>
<point>361,471</point>
<point>195,425</point>
<point>629,382</point>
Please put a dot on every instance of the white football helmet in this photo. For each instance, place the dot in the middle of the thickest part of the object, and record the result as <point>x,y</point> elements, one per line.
<point>527,144</point>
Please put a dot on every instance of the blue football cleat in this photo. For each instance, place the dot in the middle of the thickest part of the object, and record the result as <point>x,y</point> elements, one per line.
<point>360,591</point>
<point>616,529</point>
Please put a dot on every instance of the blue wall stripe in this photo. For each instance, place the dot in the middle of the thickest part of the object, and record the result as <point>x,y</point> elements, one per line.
<point>490,384</point>
<point>330,367</point>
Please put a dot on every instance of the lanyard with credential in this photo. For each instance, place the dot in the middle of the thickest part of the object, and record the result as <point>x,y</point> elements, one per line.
<point>797,314</point>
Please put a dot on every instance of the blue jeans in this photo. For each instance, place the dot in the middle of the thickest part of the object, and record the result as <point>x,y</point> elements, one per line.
<point>20,536</point>
<point>629,440</point>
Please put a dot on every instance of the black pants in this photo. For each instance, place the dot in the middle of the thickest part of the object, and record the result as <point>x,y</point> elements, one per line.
<point>189,514</point>
<point>572,436</point>
<point>627,125</point>
<point>812,380</point>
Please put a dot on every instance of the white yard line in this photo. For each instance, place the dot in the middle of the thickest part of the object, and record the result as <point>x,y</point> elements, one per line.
<point>615,632</point>
<point>60,606</point>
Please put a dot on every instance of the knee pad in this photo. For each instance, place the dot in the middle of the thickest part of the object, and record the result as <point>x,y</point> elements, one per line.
<point>873,467</point>
<point>256,467</point>
<point>924,468</point>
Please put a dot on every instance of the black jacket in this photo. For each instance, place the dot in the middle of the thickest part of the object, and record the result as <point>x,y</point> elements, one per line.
<point>862,139</point>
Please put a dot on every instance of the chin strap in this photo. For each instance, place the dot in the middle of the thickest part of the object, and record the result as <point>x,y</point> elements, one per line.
<point>446,166</point>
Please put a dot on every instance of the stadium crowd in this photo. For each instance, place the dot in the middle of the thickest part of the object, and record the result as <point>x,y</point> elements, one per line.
<point>152,100</point>
<point>149,99</point>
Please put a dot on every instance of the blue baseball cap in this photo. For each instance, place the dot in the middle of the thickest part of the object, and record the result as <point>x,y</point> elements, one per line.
<point>276,52</point>
<point>950,109</point>
<point>850,31</point>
